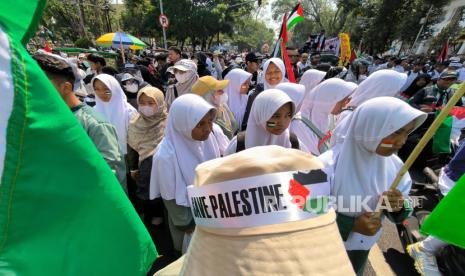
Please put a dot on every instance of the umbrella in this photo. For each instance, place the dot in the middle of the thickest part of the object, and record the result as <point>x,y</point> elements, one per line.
<point>120,40</point>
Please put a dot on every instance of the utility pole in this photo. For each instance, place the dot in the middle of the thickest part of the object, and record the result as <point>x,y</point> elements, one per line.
<point>421,28</point>
<point>164,31</point>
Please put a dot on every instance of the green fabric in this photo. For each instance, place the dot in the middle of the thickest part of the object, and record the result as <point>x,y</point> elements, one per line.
<point>21,24</point>
<point>447,222</point>
<point>441,139</point>
<point>62,211</point>
<point>103,135</point>
<point>345,225</point>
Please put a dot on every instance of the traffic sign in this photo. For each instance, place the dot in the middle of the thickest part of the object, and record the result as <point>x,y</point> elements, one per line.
<point>163,21</point>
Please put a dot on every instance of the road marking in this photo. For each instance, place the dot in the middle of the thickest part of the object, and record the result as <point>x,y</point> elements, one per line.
<point>378,262</point>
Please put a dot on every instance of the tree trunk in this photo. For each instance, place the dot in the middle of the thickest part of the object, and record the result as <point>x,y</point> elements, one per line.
<point>82,30</point>
<point>210,41</point>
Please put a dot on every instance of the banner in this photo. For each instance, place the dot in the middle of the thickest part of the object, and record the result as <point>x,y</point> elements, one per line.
<point>331,45</point>
<point>345,49</point>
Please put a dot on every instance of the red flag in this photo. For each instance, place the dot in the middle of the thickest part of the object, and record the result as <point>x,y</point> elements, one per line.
<point>287,63</point>
<point>443,56</point>
<point>353,56</point>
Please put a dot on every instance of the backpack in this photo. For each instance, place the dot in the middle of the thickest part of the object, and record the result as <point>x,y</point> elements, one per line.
<point>240,146</point>
<point>323,144</point>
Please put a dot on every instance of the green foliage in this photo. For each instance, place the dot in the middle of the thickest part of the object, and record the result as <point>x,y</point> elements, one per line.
<point>251,34</point>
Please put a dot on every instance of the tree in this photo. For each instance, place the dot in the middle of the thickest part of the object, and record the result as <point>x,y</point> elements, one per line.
<point>251,34</point>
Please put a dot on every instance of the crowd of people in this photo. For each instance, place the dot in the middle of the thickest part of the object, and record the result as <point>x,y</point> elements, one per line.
<point>159,116</point>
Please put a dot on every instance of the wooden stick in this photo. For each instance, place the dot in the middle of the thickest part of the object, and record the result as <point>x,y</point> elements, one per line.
<point>429,134</point>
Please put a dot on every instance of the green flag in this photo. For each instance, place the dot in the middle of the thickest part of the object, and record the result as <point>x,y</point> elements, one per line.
<point>446,222</point>
<point>62,210</point>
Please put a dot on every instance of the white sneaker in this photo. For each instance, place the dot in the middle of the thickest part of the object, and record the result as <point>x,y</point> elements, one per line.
<point>425,263</point>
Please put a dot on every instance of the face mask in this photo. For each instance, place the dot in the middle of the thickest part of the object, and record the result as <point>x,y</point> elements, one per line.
<point>219,100</point>
<point>182,78</point>
<point>132,88</point>
<point>147,110</point>
<point>86,64</point>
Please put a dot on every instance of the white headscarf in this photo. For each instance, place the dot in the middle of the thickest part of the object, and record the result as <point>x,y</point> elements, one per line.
<point>295,91</point>
<point>380,83</point>
<point>280,64</point>
<point>178,155</point>
<point>318,105</point>
<point>360,171</point>
<point>311,78</point>
<point>237,102</point>
<point>265,105</point>
<point>117,111</point>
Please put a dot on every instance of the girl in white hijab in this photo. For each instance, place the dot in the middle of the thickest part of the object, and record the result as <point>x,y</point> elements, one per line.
<point>311,78</point>
<point>188,142</point>
<point>273,72</point>
<point>237,89</point>
<point>325,101</point>
<point>112,104</point>
<point>380,83</point>
<point>364,166</point>
<point>268,123</point>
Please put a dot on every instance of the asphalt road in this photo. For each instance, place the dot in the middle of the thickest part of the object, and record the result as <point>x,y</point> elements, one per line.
<point>389,258</point>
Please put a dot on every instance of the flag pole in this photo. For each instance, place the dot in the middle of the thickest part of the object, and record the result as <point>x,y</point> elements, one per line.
<point>428,135</point>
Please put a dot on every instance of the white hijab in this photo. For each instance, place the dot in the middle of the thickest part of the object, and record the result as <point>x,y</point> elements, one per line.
<point>237,102</point>
<point>359,170</point>
<point>380,83</point>
<point>263,108</point>
<point>280,64</point>
<point>295,91</point>
<point>311,78</point>
<point>178,155</point>
<point>117,111</point>
<point>318,105</point>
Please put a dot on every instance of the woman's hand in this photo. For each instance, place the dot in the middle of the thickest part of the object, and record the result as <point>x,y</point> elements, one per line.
<point>395,199</point>
<point>367,224</point>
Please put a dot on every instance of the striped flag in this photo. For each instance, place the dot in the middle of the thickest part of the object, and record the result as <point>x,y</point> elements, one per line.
<point>449,131</point>
<point>296,16</point>
<point>62,210</point>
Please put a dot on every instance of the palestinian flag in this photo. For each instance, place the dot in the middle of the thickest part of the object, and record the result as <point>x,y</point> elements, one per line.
<point>62,210</point>
<point>446,221</point>
<point>296,16</point>
<point>449,131</point>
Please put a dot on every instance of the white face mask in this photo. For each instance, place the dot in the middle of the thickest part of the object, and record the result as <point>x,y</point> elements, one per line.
<point>182,78</point>
<point>147,110</point>
<point>219,100</point>
<point>132,88</point>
